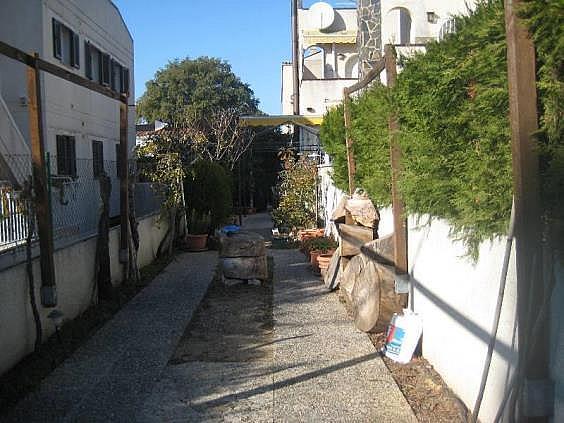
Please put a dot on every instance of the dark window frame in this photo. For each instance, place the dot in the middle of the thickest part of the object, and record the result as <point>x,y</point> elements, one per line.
<point>74,44</point>
<point>98,168</point>
<point>105,71</point>
<point>87,60</point>
<point>66,155</point>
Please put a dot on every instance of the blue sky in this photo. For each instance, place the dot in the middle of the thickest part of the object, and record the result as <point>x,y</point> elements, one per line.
<point>254,36</point>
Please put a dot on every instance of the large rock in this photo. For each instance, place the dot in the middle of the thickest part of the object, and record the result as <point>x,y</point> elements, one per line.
<point>242,244</point>
<point>362,210</point>
<point>244,267</point>
<point>380,250</point>
<point>349,278</point>
<point>333,275</point>
<point>353,237</point>
<point>365,297</point>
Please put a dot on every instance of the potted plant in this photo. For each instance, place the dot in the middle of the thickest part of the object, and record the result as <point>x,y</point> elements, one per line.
<point>320,245</point>
<point>208,200</point>
<point>198,230</point>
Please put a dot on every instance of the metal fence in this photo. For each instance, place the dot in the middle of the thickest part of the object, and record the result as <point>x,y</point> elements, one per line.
<point>14,209</point>
<point>75,201</point>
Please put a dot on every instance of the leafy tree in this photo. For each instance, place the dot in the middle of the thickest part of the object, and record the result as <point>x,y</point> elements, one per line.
<point>189,89</point>
<point>296,190</point>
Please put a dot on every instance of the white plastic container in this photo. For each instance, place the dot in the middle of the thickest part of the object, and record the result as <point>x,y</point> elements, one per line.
<point>402,336</point>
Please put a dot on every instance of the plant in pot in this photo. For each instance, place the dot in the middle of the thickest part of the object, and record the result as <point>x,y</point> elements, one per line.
<point>322,245</point>
<point>208,197</point>
<point>198,230</point>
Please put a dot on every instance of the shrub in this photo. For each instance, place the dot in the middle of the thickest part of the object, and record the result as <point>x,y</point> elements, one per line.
<point>296,191</point>
<point>208,195</point>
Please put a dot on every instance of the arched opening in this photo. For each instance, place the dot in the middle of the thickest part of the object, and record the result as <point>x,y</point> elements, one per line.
<point>398,26</point>
<point>351,67</point>
<point>314,63</point>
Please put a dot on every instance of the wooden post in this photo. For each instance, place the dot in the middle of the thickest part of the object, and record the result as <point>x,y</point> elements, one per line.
<point>351,165</point>
<point>123,188</point>
<point>42,208</point>
<point>400,220</point>
<point>523,118</point>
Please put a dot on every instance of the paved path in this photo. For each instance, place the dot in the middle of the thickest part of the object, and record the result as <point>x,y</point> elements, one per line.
<point>110,376</point>
<point>320,369</point>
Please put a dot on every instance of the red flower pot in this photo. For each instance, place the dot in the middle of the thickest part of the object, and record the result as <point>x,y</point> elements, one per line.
<point>196,242</point>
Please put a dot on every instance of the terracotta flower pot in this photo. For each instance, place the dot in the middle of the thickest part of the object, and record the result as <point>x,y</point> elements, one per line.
<point>196,242</point>
<point>323,261</point>
<point>313,260</point>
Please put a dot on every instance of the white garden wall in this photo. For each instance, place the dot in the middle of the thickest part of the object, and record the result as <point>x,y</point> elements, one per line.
<point>456,299</point>
<point>74,266</point>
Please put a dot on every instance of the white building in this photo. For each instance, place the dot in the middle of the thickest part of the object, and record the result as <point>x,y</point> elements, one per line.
<point>85,37</point>
<point>328,62</point>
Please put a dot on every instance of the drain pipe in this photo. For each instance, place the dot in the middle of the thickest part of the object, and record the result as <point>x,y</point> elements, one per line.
<point>493,336</point>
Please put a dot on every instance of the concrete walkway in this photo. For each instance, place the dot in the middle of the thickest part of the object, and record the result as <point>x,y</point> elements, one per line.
<point>319,369</point>
<point>109,378</point>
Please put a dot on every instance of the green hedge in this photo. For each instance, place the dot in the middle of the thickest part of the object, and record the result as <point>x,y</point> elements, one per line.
<point>371,147</point>
<point>546,20</point>
<point>453,104</point>
<point>453,108</point>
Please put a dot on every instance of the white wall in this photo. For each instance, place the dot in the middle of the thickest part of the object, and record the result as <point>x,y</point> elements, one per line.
<point>456,299</point>
<point>74,268</point>
<point>68,109</point>
<point>421,28</point>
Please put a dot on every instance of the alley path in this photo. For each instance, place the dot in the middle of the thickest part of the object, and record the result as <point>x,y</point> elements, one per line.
<point>314,366</point>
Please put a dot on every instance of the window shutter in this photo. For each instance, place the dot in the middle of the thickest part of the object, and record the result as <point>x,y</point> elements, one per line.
<point>57,44</point>
<point>105,69</point>
<point>61,155</point>
<point>72,156</point>
<point>124,80</point>
<point>75,50</point>
<point>113,69</point>
<point>87,60</point>
<point>97,158</point>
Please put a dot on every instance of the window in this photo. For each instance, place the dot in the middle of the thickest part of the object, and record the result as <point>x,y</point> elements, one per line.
<point>101,68</point>
<point>118,162</point>
<point>98,158</point>
<point>66,155</point>
<point>105,71</point>
<point>87,60</point>
<point>66,46</point>
<point>116,76</point>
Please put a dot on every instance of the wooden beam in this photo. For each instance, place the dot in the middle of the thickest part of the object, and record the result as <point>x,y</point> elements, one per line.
<point>370,76</point>
<point>351,165</point>
<point>398,207</point>
<point>523,119</point>
<point>42,203</point>
<point>40,64</point>
<point>347,91</point>
<point>123,191</point>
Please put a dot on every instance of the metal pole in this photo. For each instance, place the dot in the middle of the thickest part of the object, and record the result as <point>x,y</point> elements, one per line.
<point>295,58</point>
<point>42,209</point>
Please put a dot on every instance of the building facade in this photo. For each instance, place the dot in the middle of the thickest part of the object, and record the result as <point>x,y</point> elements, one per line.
<point>84,37</point>
<point>328,62</point>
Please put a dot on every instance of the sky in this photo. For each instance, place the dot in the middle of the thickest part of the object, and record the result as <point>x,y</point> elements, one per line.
<point>254,36</point>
